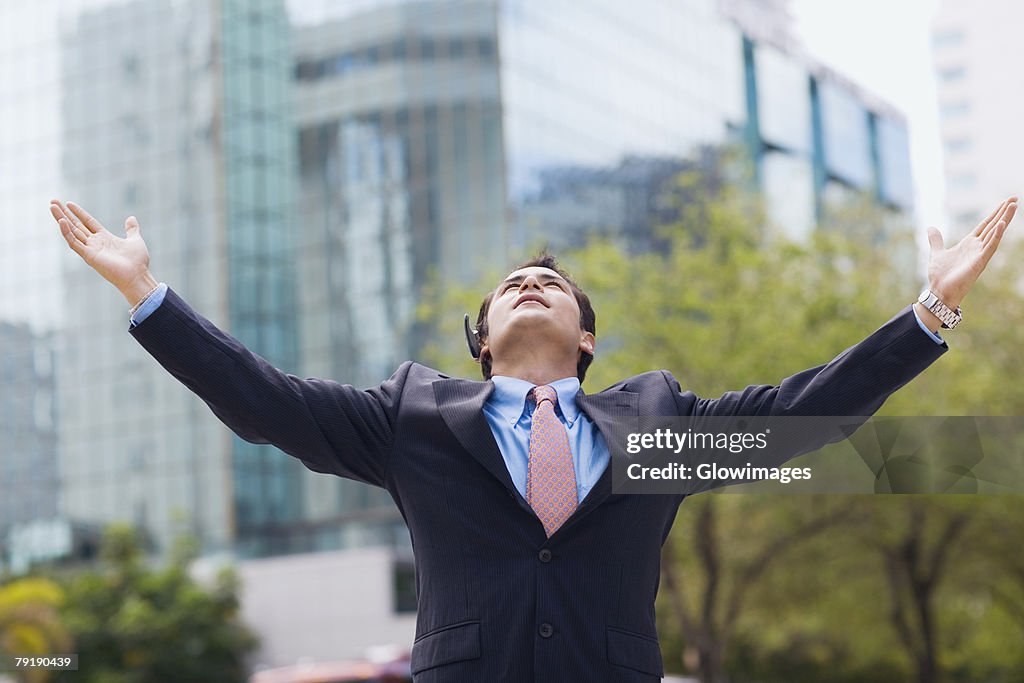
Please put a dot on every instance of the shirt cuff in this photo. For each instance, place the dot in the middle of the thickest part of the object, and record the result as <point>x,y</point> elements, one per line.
<point>148,305</point>
<point>935,338</point>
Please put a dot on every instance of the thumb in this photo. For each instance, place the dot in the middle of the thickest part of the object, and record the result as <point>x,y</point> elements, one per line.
<point>131,225</point>
<point>935,239</point>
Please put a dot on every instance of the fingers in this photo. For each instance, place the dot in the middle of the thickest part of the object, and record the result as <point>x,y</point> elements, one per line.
<point>1011,211</point>
<point>71,218</point>
<point>982,225</point>
<point>68,225</point>
<point>935,239</point>
<point>131,223</point>
<point>56,211</point>
<point>1004,218</point>
<point>74,235</point>
<point>1004,213</point>
<point>76,242</point>
<point>991,241</point>
<point>994,233</point>
<point>90,223</point>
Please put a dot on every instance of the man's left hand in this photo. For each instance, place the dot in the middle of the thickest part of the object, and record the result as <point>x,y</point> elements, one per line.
<point>953,271</point>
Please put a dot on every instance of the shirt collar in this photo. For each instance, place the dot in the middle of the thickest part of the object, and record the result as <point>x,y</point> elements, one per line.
<point>509,397</point>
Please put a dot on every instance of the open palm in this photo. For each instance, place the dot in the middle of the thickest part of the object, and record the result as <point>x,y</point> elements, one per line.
<point>120,260</point>
<point>953,271</point>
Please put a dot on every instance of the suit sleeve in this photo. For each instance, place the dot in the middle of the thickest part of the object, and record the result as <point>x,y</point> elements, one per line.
<point>332,428</point>
<point>855,383</point>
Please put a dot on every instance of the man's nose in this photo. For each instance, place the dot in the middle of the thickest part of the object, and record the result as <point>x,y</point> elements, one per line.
<point>530,282</point>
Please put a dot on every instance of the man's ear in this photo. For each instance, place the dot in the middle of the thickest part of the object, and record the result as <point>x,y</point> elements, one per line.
<point>588,343</point>
<point>485,351</point>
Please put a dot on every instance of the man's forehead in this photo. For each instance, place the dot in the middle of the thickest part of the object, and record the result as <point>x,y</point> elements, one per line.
<point>536,271</point>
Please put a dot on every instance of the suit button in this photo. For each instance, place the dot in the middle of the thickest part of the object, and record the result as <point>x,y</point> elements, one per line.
<point>546,630</point>
<point>544,555</point>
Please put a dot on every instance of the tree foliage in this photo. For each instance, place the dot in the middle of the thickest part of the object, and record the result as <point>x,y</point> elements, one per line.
<point>132,623</point>
<point>30,622</point>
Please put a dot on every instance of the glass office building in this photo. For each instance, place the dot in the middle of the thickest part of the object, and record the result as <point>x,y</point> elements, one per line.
<point>300,168</point>
<point>28,429</point>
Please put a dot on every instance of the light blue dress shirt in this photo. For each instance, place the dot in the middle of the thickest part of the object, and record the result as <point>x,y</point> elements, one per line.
<point>149,304</point>
<point>509,415</point>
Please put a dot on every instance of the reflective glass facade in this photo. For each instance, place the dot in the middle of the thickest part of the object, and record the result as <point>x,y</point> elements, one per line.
<point>895,183</point>
<point>847,140</point>
<point>783,101</point>
<point>142,132</point>
<point>28,466</point>
<point>817,140</point>
<point>601,100</point>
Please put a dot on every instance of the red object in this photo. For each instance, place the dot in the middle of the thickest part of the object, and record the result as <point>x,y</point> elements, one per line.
<point>338,672</point>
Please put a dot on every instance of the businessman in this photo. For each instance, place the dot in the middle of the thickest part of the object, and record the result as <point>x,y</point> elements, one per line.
<point>528,567</point>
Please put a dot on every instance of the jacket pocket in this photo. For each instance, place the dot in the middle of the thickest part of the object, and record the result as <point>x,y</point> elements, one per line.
<point>635,651</point>
<point>445,645</point>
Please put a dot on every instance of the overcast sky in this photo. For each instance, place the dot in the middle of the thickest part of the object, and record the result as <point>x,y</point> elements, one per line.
<point>883,45</point>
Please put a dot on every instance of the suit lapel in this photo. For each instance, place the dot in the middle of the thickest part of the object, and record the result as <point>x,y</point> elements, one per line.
<point>607,410</point>
<point>461,403</point>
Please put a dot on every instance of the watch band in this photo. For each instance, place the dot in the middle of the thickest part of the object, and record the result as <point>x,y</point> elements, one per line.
<point>948,316</point>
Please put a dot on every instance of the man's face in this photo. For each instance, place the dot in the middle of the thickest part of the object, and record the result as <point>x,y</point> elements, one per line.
<point>535,305</point>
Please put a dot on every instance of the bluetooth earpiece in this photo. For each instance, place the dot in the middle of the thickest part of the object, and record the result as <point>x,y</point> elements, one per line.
<point>472,338</point>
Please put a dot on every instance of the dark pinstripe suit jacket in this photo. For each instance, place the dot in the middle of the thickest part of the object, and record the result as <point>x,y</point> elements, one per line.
<point>497,600</point>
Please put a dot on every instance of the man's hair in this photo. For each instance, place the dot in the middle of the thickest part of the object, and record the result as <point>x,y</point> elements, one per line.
<point>588,319</point>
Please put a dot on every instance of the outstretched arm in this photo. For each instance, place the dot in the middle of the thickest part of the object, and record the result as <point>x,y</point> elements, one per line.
<point>330,427</point>
<point>857,382</point>
<point>859,379</point>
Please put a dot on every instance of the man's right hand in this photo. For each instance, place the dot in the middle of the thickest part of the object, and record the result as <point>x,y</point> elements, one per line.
<point>122,261</point>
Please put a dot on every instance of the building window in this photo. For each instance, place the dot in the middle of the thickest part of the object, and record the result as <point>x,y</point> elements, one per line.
<point>948,37</point>
<point>401,50</point>
<point>130,68</point>
<point>963,181</point>
<point>846,135</point>
<point>958,145</point>
<point>952,74</point>
<point>954,110</point>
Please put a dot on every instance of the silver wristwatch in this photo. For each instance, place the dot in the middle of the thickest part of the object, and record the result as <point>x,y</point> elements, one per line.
<point>948,316</point>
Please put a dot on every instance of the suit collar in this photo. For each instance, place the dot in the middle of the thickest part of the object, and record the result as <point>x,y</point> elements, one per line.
<point>461,404</point>
<point>509,398</point>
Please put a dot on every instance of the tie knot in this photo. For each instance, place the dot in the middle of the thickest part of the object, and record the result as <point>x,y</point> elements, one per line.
<point>544,393</point>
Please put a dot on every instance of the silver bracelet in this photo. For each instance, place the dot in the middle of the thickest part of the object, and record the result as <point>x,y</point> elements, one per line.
<point>948,316</point>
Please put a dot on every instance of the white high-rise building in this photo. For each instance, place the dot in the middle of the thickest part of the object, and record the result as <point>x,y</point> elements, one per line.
<point>981,103</point>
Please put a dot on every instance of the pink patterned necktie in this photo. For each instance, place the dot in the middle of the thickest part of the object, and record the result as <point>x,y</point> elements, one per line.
<point>550,477</point>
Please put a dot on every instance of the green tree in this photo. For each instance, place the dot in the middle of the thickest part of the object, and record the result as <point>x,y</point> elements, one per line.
<point>709,581</point>
<point>136,624</point>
